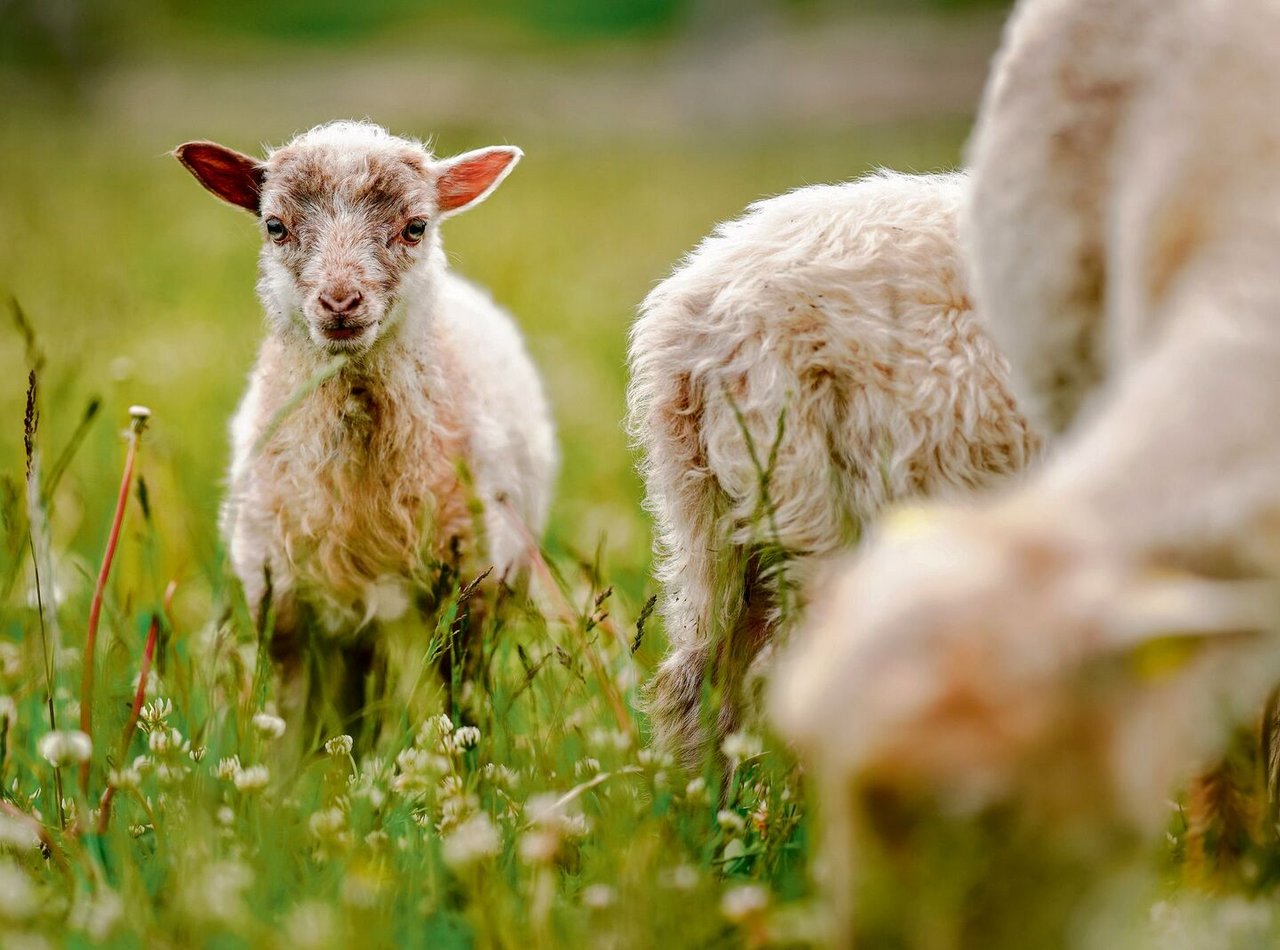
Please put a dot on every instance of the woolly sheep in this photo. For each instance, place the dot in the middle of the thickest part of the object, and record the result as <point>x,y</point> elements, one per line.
<point>808,364</point>
<point>1124,228</point>
<point>348,479</point>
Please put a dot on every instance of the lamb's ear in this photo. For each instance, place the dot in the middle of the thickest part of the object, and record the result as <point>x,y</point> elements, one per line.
<point>1170,617</point>
<point>233,177</point>
<point>469,178</point>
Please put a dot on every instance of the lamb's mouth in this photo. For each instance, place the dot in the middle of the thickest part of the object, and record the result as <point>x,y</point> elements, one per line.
<point>339,332</point>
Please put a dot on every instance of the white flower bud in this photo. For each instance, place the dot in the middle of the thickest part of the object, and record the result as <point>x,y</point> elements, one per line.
<point>62,748</point>
<point>268,726</point>
<point>339,745</point>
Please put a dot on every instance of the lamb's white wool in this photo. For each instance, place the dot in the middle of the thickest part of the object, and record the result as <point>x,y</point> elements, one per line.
<point>824,346</point>
<point>347,482</point>
<point>1125,228</point>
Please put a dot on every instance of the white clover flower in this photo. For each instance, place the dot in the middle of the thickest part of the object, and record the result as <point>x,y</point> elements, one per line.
<point>18,834</point>
<point>740,746</point>
<point>454,809</point>
<point>167,774</point>
<point>470,842</point>
<point>217,891</point>
<point>683,877</point>
<point>598,896</point>
<point>228,768</point>
<point>154,714</point>
<point>18,897</point>
<point>311,925</point>
<point>465,737</point>
<point>654,758</point>
<point>268,726</point>
<point>327,822</point>
<point>62,748</point>
<point>543,809</point>
<point>371,793</point>
<point>500,774</point>
<point>375,768</point>
<point>552,824</point>
<point>730,821</point>
<point>252,779</point>
<point>97,915</point>
<point>10,660</point>
<point>197,753</point>
<point>696,791</point>
<point>539,846</point>
<point>127,779</point>
<point>361,888</point>
<point>339,745</point>
<point>418,769</point>
<point>742,903</point>
<point>225,816</point>
<point>586,767</point>
<point>167,741</point>
<point>614,739</point>
<point>139,830</point>
<point>377,839</point>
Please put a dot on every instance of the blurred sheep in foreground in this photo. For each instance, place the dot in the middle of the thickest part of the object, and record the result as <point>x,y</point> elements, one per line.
<point>389,394</point>
<point>1071,653</point>
<point>807,365</point>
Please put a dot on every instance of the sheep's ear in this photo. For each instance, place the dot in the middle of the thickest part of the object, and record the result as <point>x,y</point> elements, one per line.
<point>233,177</point>
<point>469,178</point>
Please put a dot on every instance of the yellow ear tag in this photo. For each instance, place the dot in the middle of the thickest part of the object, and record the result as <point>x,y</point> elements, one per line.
<point>907,523</point>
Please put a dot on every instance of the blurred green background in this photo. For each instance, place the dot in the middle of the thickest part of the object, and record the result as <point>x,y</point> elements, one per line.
<point>644,122</point>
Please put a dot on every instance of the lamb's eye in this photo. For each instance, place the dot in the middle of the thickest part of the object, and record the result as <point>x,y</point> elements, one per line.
<point>277,230</point>
<point>414,230</point>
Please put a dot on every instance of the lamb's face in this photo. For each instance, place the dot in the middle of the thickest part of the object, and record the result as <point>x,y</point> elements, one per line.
<point>350,222</point>
<point>978,656</point>
<point>346,232</point>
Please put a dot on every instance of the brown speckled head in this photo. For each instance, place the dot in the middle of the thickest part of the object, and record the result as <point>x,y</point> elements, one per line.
<point>350,217</point>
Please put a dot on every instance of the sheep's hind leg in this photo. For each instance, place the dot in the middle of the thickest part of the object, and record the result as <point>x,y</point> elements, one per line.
<point>699,695</point>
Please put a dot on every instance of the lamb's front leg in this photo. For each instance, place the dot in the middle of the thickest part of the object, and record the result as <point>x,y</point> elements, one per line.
<point>279,618</point>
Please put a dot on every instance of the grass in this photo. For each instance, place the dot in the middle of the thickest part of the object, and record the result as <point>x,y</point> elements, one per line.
<point>533,813</point>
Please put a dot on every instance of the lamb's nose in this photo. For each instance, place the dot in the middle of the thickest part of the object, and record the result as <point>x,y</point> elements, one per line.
<point>340,302</point>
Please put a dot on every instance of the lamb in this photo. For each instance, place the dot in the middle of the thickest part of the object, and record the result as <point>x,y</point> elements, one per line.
<point>808,364</point>
<point>388,396</point>
<point>1123,229</point>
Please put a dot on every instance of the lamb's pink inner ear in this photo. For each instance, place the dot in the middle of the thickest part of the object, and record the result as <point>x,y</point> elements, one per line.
<point>470,177</point>
<point>233,177</point>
